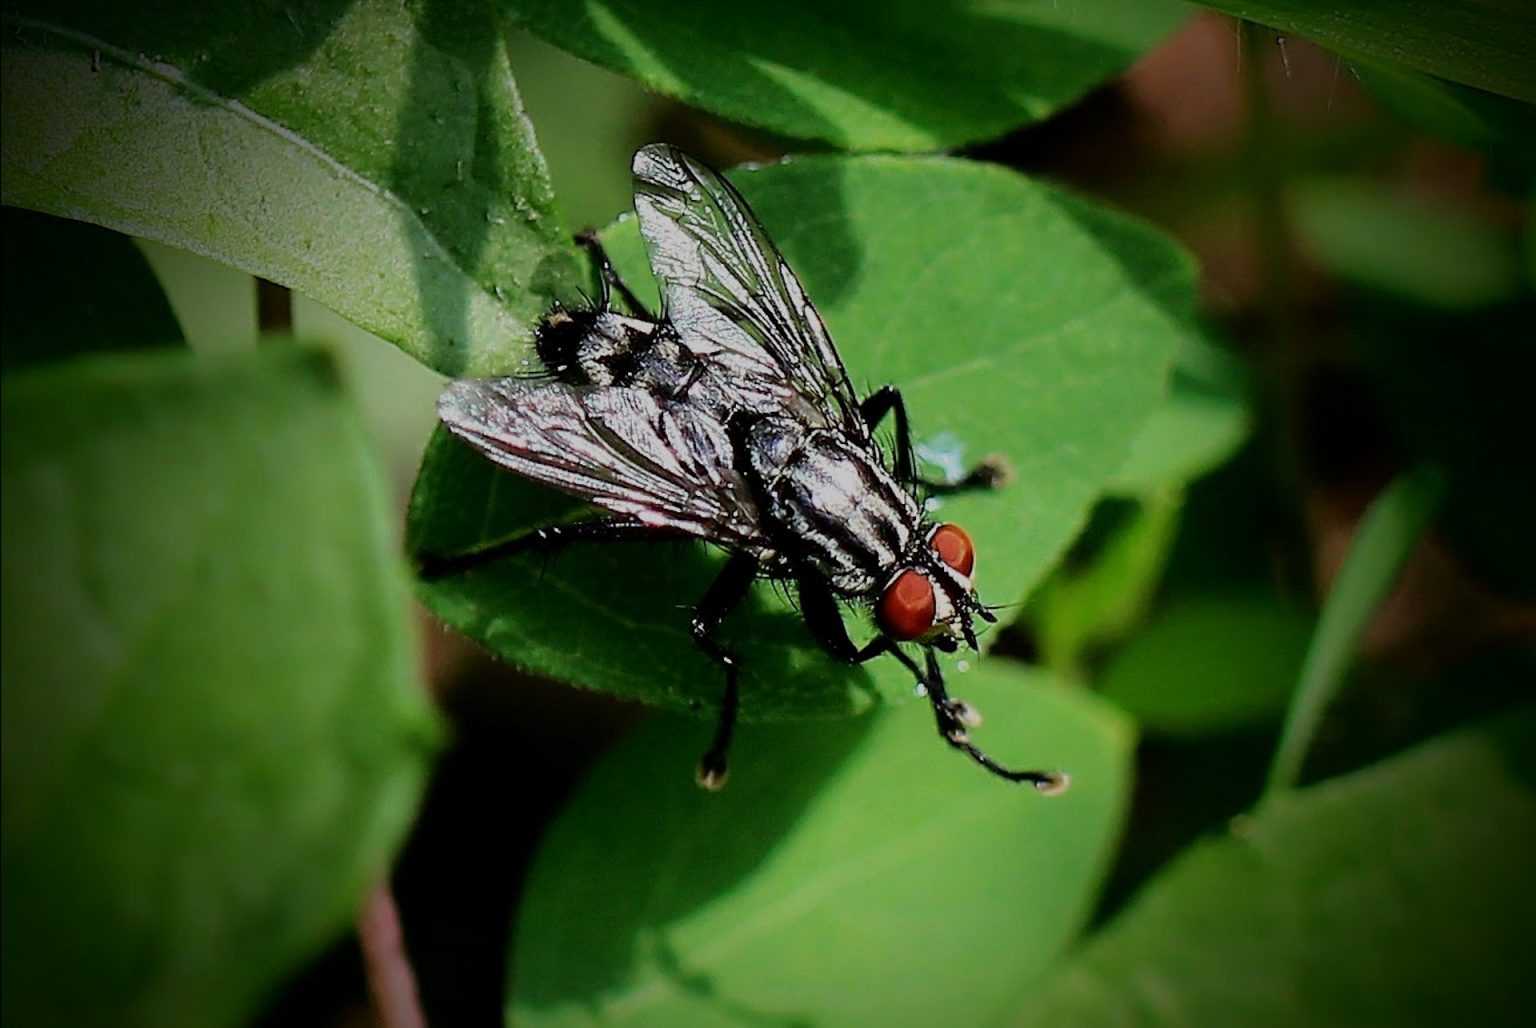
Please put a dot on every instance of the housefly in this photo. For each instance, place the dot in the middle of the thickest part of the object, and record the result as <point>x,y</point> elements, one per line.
<point>729,417</point>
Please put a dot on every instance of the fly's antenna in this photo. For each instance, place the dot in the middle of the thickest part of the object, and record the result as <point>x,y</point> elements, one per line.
<point>954,717</point>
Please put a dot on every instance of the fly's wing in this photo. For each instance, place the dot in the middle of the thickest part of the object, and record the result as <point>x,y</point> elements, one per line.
<point>666,465</point>
<point>731,295</point>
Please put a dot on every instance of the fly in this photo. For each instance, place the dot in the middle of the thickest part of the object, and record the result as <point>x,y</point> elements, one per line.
<point>729,417</point>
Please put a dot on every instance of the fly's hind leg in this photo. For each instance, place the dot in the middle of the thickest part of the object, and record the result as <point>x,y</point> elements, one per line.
<point>724,595</point>
<point>607,277</point>
<point>988,474</point>
<point>431,567</point>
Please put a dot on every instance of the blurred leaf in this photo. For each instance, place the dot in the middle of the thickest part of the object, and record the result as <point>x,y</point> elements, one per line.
<point>369,155</point>
<point>1436,255</point>
<point>72,288</point>
<point>1502,128</point>
<point>1386,535</point>
<point>864,75</point>
<point>213,732</point>
<point>851,873</point>
<point>1482,43</point>
<point>1202,423</point>
<point>1391,896</point>
<point>1015,319</point>
<point>1102,589</point>
<point>1209,664</point>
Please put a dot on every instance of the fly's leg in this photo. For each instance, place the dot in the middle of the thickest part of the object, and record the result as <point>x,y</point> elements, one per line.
<point>431,567</point>
<point>819,609</point>
<point>607,277</point>
<point>725,593</point>
<point>989,474</point>
<point>954,717</point>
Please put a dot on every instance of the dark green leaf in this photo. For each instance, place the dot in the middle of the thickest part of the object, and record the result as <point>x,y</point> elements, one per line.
<point>863,75</point>
<point>1209,663</point>
<point>1015,319</point>
<point>852,873</point>
<point>1502,128</point>
<point>72,288</point>
<point>1398,895</point>
<point>1103,588</point>
<point>1386,535</point>
<point>1482,43</point>
<point>1431,254</point>
<point>213,732</point>
<point>370,155</point>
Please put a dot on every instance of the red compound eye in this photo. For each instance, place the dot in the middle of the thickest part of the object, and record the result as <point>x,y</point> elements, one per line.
<point>905,609</point>
<point>954,548</point>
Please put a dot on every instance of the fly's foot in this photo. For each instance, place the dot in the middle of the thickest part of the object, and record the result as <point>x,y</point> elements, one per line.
<point>712,772</point>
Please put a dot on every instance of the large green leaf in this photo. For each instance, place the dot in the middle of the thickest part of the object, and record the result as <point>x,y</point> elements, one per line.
<point>1016,320</point>
<point>1398,895</point>
<point>1482,43</point>
<point>863,75</point>
<point>72,288</point>
<point>371,155</point>
<point>852,873</point>
<point>213,731</point>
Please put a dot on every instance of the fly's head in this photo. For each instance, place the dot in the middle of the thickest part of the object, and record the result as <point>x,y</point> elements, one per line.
<point>932,600</point>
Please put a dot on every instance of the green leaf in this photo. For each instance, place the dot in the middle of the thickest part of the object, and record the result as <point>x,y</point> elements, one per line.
<point>1015,319</point>
<point>1103,588</point>
<point>1398,895</point>
<point>1482,43</point>
<point>72,288</point>
<point>370,155</point>
<point>865,75</point>
<point>213,731</point>
<point>1385,537</point>
<point>1431,254</point>
<point>1203,422</point>
<point>1209,663</point>
<point>851,873</point>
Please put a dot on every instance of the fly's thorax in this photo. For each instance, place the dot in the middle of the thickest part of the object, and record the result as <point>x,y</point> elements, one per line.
<point>832,502</point>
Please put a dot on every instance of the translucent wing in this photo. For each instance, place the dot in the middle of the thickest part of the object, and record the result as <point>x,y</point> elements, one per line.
<point>666,465</point>
<point>732,297</point>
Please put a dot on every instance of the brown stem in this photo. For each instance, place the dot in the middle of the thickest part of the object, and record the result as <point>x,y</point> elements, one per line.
<point>391,982</point>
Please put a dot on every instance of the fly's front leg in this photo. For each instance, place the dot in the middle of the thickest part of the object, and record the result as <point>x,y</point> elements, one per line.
<point>989,474</point>
<point>820,611</point>
<point>727,591</point>
<point>956,717</point>
<point>607,277</point>
<point>431,567</point>
<point>819,608</point>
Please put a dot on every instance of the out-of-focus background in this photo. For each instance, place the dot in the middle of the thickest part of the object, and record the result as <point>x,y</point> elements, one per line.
<point>1366,275</point>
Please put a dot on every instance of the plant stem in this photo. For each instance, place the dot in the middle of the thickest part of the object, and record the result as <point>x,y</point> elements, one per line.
<point>1386,535</point>
<point>391,982</point>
